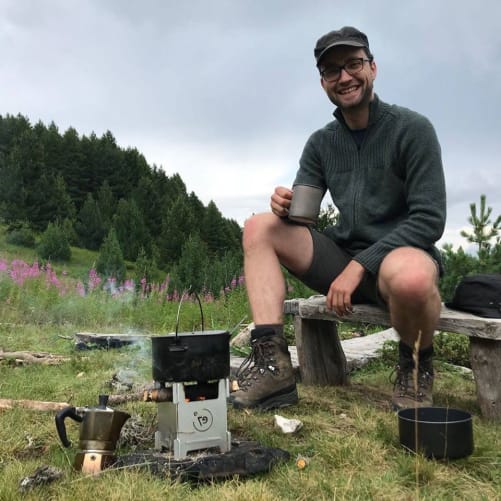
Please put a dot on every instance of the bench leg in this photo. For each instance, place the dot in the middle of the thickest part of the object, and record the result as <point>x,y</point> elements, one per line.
<point>485,356</point>
<point>320,354</point>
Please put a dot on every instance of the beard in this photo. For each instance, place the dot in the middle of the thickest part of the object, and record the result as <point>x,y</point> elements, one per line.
<point>362,102</point>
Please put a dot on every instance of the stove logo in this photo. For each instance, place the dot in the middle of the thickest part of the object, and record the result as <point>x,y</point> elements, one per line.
<point>202,420</point>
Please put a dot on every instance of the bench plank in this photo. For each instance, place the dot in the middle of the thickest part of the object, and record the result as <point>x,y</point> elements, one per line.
<point>318,351</point>
<point>450,320</point>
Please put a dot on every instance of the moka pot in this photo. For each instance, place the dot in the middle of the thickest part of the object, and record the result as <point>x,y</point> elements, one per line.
<point>100,428</point>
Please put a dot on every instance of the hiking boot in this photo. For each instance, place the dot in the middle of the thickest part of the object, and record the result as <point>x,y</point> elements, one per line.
<point>408,392</point>
<point>266,378</point>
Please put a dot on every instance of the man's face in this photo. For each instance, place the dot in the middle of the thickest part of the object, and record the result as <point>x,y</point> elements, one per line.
<point>349,92</point>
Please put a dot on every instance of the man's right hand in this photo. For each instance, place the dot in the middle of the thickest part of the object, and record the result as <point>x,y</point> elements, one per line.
<point>341,289</point>
<point>281,201</point>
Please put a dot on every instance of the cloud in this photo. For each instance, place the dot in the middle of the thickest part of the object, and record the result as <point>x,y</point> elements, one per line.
<point>226,93</point>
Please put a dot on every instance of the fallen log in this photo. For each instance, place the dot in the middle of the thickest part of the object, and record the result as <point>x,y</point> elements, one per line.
<point>38,405</point>
<point>126,397</point>
<point>29,357</point>
<point>91,340</point>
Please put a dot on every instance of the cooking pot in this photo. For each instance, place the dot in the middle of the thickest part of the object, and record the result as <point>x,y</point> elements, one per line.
<point>191,356</point>
<point>436,432</point>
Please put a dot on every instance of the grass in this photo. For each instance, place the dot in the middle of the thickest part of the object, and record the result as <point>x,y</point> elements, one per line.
<point>349,436</point>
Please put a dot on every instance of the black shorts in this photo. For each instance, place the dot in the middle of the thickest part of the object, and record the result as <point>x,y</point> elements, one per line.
<point>329,260</point>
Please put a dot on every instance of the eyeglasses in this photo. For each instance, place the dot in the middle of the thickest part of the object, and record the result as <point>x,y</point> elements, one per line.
<point>352,67</point>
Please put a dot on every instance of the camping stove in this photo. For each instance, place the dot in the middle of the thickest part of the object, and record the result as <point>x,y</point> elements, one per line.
<point>193,418</point>
<point>191,371</point>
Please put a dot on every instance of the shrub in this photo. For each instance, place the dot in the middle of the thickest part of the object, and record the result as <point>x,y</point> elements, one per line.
<point>453,348</point>
<point>54,244</point>
<point>23,236</point>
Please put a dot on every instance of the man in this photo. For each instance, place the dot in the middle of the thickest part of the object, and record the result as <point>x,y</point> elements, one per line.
<point>382,166</point>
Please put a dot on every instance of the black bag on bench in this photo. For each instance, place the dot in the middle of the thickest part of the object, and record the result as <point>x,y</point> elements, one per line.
<point>478,294</point>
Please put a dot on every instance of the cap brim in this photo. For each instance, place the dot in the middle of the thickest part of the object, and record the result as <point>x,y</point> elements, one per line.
<point>338,44</point>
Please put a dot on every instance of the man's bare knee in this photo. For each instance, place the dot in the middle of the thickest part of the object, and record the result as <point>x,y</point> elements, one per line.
<point>259,228</point>
<point>416,286</point>
<point>409,275</point>
<point>292,244</point>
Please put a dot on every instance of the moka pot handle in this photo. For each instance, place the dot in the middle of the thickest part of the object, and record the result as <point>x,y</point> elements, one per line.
<point>60,425</point>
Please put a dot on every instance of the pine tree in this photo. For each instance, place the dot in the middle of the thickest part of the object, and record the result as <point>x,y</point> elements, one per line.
<point>68,226</point>
<point>73,167</point>
<point>63,208</point>
<point>89,225</point>
<point>175,230</point>
<point>51,142</point>
<point>11,127</point>
<point>131,169</point>
<point>484,231</point>
<point>21,172</point>
<point>190,271</point>
<point>12,191</point>
<point>457,264</point>
<point>130,229</point>
<point>148,201</point>
<point>233,233</point>
<point>213,231</point>
<point>52,201</point>
<point>109,165</point>
<point>110,262</point>
<point>172,189</point>
<point>197,211</point>
<point>89,176</point>
<point>146,271</point>
<point>107,205</point>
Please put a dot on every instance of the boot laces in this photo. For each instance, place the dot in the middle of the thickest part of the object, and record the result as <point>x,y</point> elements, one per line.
<point>256,363</point>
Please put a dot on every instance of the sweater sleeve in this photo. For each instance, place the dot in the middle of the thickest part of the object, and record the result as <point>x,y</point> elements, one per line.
<point>422,172</point>
<point>310,170</point>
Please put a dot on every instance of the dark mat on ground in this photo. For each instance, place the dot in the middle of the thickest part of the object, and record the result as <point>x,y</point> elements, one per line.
<point>244,458</point>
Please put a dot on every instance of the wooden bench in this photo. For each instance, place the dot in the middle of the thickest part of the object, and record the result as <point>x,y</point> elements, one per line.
<point>322,361</point>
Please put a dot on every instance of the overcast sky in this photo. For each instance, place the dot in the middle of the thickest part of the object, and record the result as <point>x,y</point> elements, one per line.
<point>225,92</point>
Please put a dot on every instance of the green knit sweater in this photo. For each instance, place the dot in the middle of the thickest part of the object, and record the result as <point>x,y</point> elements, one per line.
<point>390,192</point>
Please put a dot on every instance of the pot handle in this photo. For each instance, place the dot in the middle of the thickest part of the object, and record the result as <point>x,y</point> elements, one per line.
<point>70,412</point>
<point>179,309</point>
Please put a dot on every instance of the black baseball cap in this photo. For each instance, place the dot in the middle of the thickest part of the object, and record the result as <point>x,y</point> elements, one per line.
<point>345,36</point>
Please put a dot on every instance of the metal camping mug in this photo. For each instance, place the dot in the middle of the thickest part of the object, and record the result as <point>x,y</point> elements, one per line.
<point>305,203</point>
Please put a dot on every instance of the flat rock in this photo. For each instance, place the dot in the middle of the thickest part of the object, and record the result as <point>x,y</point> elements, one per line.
<point>358,351</point>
